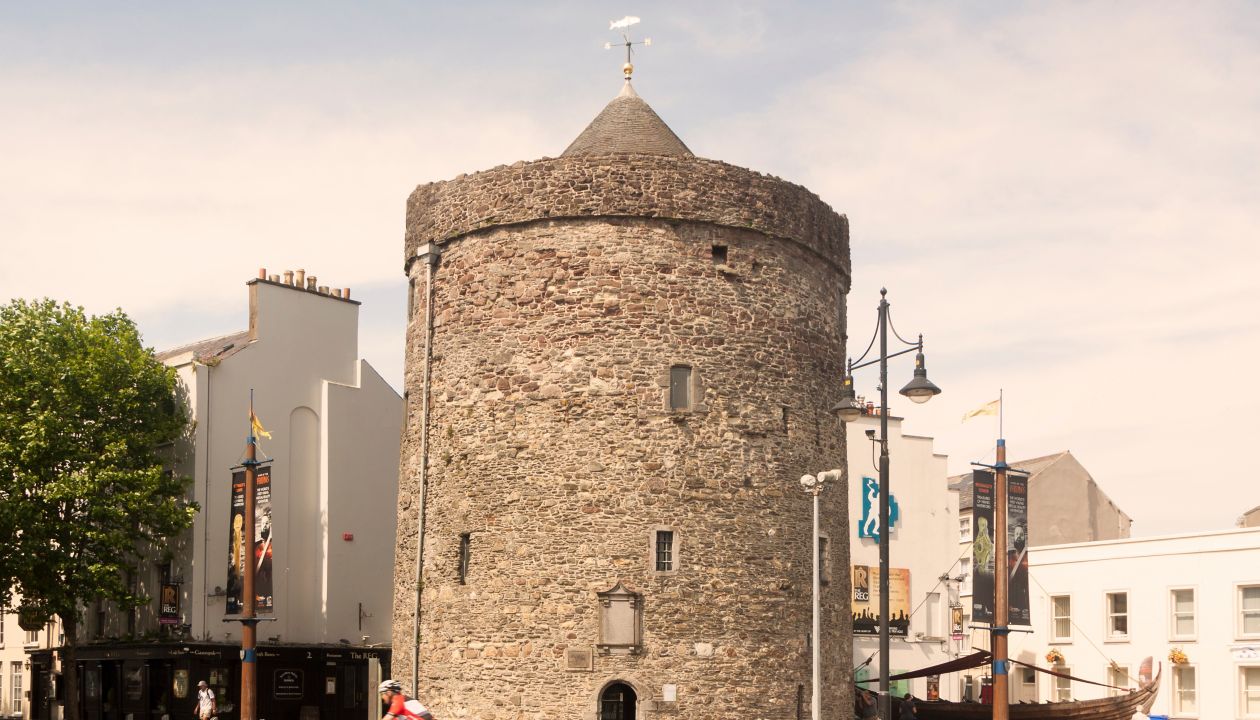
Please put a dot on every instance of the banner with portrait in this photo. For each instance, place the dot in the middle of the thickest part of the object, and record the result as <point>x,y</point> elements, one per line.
<point>982,546</point>
<point>259,552</point>
<point>1017,548</point>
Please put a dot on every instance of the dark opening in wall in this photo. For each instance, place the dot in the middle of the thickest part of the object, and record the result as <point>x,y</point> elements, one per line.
<point>719,254</point>
<point>465,542</point>
<point>680,387</point>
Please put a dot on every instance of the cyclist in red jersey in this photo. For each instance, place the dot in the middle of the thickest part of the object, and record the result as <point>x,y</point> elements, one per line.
<point>401,707</point>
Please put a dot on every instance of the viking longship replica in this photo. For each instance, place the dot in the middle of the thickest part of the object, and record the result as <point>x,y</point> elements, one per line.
<point>1116,707</point>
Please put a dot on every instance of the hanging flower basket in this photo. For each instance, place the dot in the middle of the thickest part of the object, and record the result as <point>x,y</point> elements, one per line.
<point>1177,657</point>
<point>1054,657</point>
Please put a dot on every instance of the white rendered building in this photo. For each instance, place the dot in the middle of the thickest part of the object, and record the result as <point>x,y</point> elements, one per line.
<point>335,428</point>
<point>926,570</point>
<point>1107,605</point>
<point>16,679</point>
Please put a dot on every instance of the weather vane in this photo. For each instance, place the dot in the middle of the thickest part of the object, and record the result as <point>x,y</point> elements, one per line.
<point>622,24</point>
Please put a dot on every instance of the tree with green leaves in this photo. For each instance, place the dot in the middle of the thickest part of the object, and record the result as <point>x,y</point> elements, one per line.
<point>85,412</point>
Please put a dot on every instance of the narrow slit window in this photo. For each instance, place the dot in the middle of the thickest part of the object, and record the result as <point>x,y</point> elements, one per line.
<point>465,547</point>
<point>664,550</point>
<point>680,387</point>
<point>719,254</point>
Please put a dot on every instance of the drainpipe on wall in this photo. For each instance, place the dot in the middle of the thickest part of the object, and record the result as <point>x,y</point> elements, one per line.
<point>205,503</point>
<point>428,253</point>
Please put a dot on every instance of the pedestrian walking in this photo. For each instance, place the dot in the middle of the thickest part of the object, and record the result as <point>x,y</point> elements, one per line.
<point>207,707</point>
<point>909,711</point>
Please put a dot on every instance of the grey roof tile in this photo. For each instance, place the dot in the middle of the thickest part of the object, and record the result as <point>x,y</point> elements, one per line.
<point>628,125</point>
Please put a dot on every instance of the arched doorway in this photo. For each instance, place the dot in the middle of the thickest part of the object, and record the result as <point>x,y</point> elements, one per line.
<point>617,702</point>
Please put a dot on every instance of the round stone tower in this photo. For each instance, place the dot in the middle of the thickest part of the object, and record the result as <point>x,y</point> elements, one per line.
<point>619,364</point>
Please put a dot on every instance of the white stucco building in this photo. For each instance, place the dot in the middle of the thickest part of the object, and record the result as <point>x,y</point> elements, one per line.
<point>1120,601</point>
<point>335,429</point>
<point>16,679</point>
<point>925,563</point>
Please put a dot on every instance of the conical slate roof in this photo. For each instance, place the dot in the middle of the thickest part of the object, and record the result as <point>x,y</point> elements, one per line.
<point>627,125</point>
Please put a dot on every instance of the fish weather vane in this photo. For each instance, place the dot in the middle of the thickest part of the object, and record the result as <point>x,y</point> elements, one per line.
<point>622,24</point>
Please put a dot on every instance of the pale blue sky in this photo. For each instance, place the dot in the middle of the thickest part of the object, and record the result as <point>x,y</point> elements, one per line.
<point>1065,198</point>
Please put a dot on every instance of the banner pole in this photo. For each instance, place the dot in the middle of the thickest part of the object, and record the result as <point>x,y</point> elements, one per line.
<point>249,626</point>
<point>1001,600</point>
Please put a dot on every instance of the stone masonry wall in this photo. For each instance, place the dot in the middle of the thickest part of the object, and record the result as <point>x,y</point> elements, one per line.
<point>681,188</point>
<point>552,446</point>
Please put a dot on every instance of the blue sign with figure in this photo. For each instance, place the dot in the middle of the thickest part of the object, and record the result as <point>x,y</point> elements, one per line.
<point>869,527</point>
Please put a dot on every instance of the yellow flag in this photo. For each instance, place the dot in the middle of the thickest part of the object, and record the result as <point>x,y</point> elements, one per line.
<point>257,426</point>
<point>989,408</point>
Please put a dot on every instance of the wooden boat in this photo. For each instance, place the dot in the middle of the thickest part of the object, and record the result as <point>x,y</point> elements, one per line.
<point>1116,707</point>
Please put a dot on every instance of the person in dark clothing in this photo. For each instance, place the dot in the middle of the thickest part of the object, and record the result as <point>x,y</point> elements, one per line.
<point>867,708</point>
<point>908,709</point>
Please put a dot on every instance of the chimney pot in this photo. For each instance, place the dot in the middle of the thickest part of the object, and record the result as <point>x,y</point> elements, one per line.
<point>336,292</point>
<point>288,277</point>
<point>262,273</point>
<point>345,294</point>
<point>310,283</point>
<point>300,280</point>
<point>274,278</point>
<point>323,289</point>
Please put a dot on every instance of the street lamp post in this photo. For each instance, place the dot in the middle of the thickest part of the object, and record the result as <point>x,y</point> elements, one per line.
<point>814,486</point>
<point>919,390</point>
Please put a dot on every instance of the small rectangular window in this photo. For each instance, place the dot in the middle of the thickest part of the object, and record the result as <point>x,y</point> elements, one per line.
<point>680,387</point>
<point>932,615</point>
<point>664,550</point>
<point>1185,698</point>
<point>964,529</point>
<point>1117,616</point>
<point>964,569</point>
<point>1249,687</point>
<point>719,254</point>
<point>1118,675</point>
<point>1061,618</point>
<point>15,682</point>
<point>1182,604</point>
<point>1249,611</point>
<point>1062,685</point>
<point>1028,677</point>
<point>465,543</point>
<point>32,637</point>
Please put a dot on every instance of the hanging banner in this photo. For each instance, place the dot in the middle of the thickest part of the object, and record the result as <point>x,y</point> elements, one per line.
<point>168,605</point>
<point>259,552</point>
<point>866,601</point>
<point>956,622</point>
<point>1017,548</point>
<point>982,561</point>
